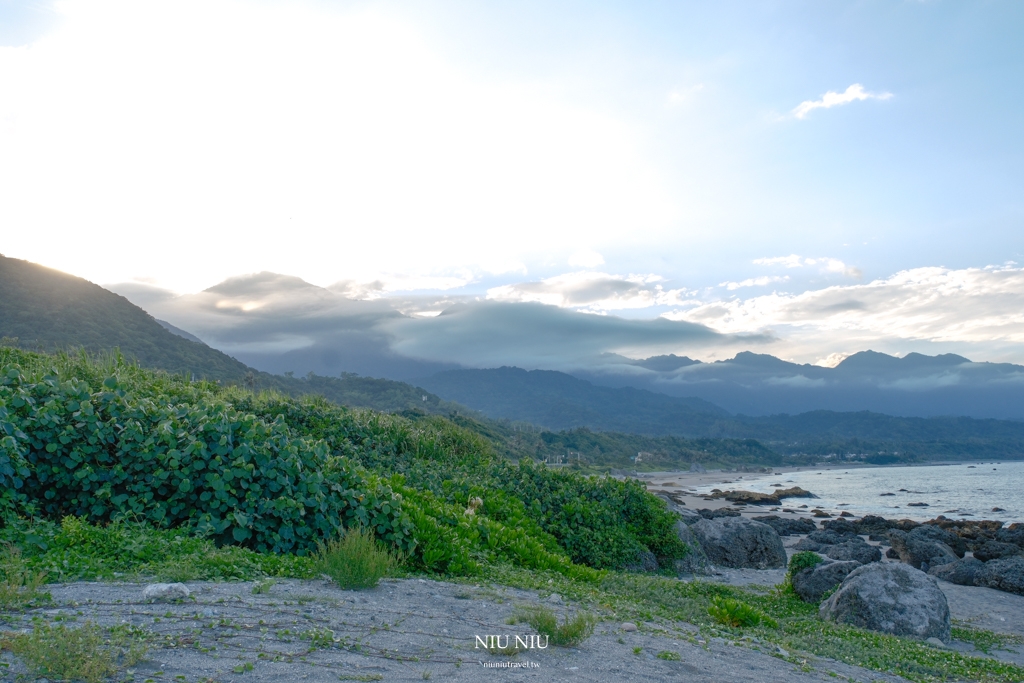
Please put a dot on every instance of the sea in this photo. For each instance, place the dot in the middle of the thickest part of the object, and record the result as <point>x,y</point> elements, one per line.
<point>970,490</point>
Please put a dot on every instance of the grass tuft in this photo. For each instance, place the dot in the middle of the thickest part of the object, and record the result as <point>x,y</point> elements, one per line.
<point>88,653</point>
<point>735,613</point>
<point>356,560</point>
<point>19,586</point>
<point>571,632</point>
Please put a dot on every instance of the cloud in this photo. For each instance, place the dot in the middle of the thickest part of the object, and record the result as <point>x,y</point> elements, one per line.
<point>755,282</point>
<point>831,99</point>
<point>282,323</point>
<point>973,305</point>
<point>593,291</point>
<point>825,264</point>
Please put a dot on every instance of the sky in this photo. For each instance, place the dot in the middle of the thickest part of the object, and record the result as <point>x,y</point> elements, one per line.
<point>805,179</point>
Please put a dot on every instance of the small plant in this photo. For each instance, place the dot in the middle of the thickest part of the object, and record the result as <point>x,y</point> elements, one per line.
<point>319,638</point>
<point>87,653</point>
<point>799,562</point>
<point>360,677</point>
<point>356,560</point>
<point>734,613</point>
<point>242,668</point>
<point>669,656</point>
<point>637,650</point>
<point>262,587</point>
<point>571,632</point>
<point>18,585</point>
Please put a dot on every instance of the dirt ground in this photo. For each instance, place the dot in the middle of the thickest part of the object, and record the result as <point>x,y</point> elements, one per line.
<point>403,630</point>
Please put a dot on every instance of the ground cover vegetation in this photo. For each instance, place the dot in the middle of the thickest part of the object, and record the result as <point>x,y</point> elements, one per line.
<point>111,471</point>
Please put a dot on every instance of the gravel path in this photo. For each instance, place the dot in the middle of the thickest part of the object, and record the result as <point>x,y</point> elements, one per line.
<point>403,630</point>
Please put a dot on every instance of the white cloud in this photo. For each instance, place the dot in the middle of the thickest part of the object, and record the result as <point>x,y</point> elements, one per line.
<point>192,140</point>
<point>591,291</point>
<point>755,282</point>
<point>831,99</point>
<point>973,305</point>
<point>824,264</point>
<point>678,96</point>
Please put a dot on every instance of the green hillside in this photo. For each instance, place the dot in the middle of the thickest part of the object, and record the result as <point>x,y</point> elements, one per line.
<point>45,309</point>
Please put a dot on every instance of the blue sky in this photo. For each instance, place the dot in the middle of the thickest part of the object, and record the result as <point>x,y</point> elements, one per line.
<point>629,159</point>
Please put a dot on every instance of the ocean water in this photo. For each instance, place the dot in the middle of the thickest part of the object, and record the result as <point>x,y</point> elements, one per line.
<point>969,490</point>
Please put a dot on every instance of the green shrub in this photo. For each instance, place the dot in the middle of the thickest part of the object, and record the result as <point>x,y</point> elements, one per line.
<point>669,656</point>
<point>734,613</point>
<point>171,456</point>
<point>571,632</point>
<point>87,653</point>
<point>799,562</point>
<point>356,560</point>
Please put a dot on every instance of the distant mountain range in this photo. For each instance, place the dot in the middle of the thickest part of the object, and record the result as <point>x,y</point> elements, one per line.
<point>759,384</point>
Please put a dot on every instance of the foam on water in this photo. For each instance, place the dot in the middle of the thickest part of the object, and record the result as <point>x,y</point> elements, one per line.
<point>968,490</point>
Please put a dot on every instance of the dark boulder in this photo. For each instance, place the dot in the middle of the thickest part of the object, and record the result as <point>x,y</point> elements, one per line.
<point>1013,534</point>
<point>891,598</point>
<point>739,543</point>
<point>787,526</point>
<point>829,537</point>
<point>994,550</point>
<point>915,550</point>
<point>718,513</point>
<point>857,551</point>
<point>695,561</point>
<point>843,527</point>
<point>963,572</point>
<point>931,532</point>
<point>1005,575</point>
<point>806,544</point>
<point>812,583</point>
<point>645,562</point>
<point>872,525</point>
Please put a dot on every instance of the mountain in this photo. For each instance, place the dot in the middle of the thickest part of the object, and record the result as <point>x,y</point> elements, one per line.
<point>46,309</point>
<point>561,402</point>
<point>915,385</point>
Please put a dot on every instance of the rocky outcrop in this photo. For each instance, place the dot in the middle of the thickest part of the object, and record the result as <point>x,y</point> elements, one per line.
<point>718,513</point>
<point>994,550</point>
<point>755,498</point>
<point>165,592</point>
<point>930,532</point>
<point>696,560</point>
<point>1003,575</point>
<point>787,526</point>
<point>812,583</point>
<point>891,598</point>
<point>917,549</point>
<point>740,543</point>
<point>963,572</point>
<point>857,551</point>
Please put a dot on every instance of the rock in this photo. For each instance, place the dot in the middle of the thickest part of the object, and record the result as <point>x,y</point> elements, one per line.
<point>813,546</point>
<point>829,537</point>
<point>645,561</point>
<point>716,514</point>
<point>994,550</point>
<point>843,527</point>
<point>892,554</point>
<point>698,468</point>
<point>1006,575</point>
<point>740,543</point>
<point>812,583</point>
<point>555,599</point>
<point>891,598</point>
<point>917,505</point>
<point>687,515</point>
<point>872,524</point>
<point>165,592</point>
<point>933,532</point>
<point>628,627</point>
<point>857,551</point>
<point>820,513</point>
<point>1014,534</point>
<point>695,561</point>
<point>844,513</point>
<point>785,526</point>
<point>935,642</point>
<point>963,572</point>
<point>914,550</point>
<point>755,498</point>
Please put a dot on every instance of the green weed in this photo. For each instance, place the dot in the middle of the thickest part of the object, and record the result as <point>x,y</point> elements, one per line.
<point>88,653</point>
<point>736,614</point>
<point>356,560</point>
<point>669,656</point>
<point>19,585</point>
<point>571,632</point>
